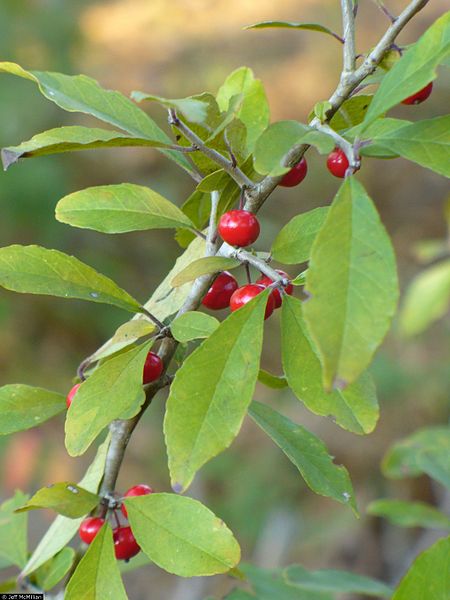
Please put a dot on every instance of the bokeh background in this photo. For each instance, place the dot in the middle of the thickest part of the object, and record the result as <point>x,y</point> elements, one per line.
<point>175,49</point>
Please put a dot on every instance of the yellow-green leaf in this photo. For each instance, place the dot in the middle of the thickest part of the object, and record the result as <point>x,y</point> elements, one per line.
<point>36,270</point>
<point>181,535</point>
<point>352,283</point>
<point>112,389</point>
<point>211,392</point>
<point>24,406</point>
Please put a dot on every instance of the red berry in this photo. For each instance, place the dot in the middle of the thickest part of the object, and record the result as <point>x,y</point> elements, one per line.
<point>337,163</point>
<point>246,293</point>
<point>296,175</point>
<point>137,490</point>
<point>125,545</point>
<point>153,368</point>
<point>276,295</point>
<point>419,96</point>
<point>89,528</point>
<point>71,394</point>
<point>239,227</point>
<point>219,294</point>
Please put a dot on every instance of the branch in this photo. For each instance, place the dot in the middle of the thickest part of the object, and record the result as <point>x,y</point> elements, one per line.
<point>234,171</point>
<point>256,197</point>
<point>121,430</point>
<point>348,27</point>
<point>348,148</point>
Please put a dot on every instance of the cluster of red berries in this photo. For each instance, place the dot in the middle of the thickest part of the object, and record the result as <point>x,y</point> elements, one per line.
<point>225,291</point>
<point>125,545</point>
<point>153,369</point>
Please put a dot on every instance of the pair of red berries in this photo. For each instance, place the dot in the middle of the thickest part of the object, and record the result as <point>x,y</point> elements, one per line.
<point>125,545</point>
<point>226,292</point>
<point>337,162</point>
<point>153,369</point>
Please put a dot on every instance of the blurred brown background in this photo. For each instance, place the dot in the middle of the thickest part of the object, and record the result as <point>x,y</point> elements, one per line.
<point>175,49</point>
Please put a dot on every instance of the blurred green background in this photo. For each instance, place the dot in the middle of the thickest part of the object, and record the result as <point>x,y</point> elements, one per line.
<point>175,49</point>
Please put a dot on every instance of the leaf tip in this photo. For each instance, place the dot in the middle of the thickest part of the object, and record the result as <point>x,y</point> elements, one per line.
<point>177,488</point>
<point>8,158</point>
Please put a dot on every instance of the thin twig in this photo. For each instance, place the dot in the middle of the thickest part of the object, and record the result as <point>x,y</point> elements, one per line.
<point>348,27</point>
<point>235,172</point>
<point>385,11</point>
<point>152,318</point>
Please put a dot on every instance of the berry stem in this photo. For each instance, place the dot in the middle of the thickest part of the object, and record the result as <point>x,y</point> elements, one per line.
<point>247,270</point>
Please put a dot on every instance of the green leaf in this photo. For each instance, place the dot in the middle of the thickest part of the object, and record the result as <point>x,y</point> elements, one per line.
<point>126,335</point>
<point>193,325</point>
<point>69,139</point>
<point>429,576</point>
<point>62,530</point>
<point>24,406</point>
<point>253,109</point>
<point>164,302</point>
<point>36,270</point>
<point>426,300</point>
<point>294,242</point>
<point>204,266</point>
<point>414,70</point>
<point>409,514</point>
<point>51,573</point>
<point>337,582</point>
<point>120,208</point>
<point>291,25</point>
<point>354,408</point>
<point>97,575</point>
<point>321,110</point>
<point>308,453</point>
<point>194,108</point>
<point>68,499</point>
<point>425,451</point>
<point>379,128</point>
<point>300,279</point>
<point>211,391</point>
<point>274,144</point>
<point>425,142</point>
<point>212,182</point>
<point>272,381</point>
<point>181,535</point>
<point>353,285</point>
<point>82,94</point>
<point>270,585</point>
<point>351,112</point>
<point>112,389</point>
<point>13,531</point>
